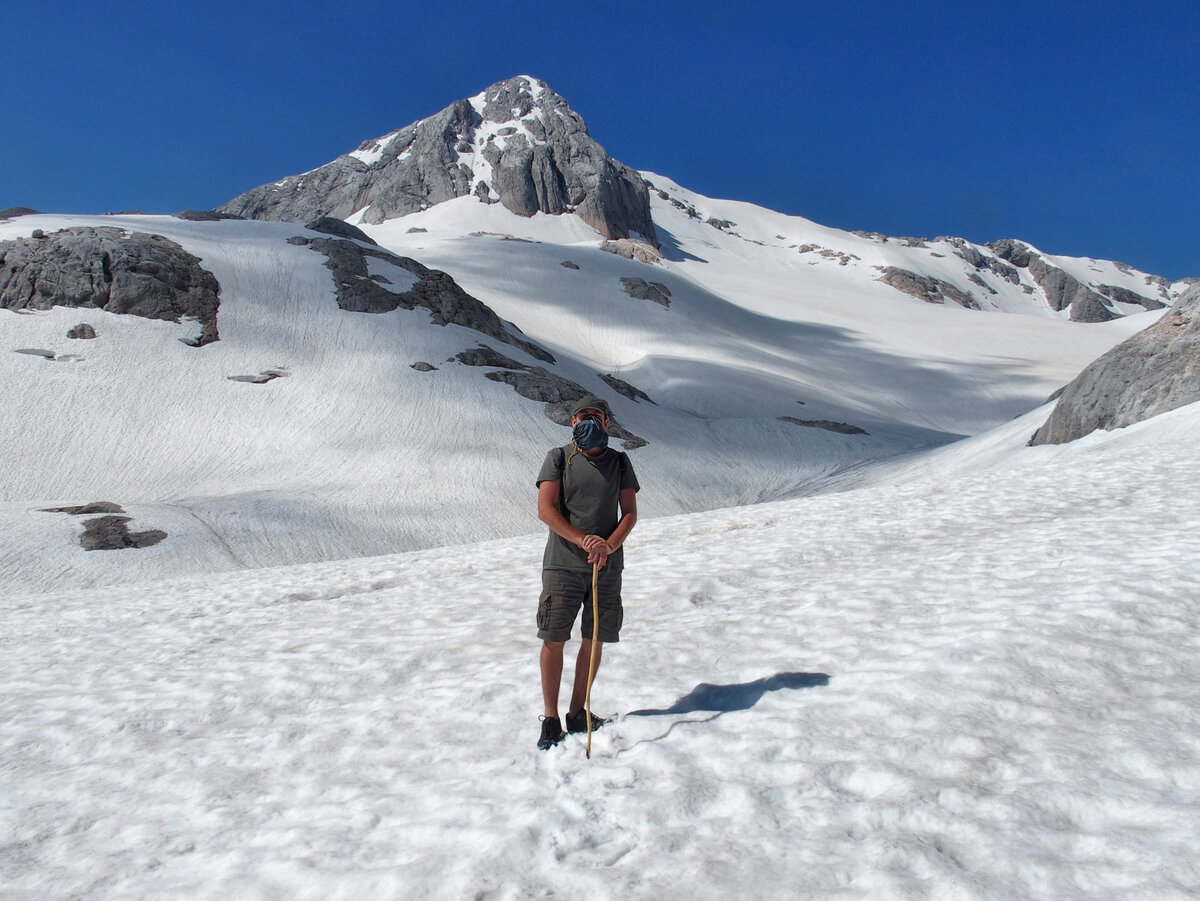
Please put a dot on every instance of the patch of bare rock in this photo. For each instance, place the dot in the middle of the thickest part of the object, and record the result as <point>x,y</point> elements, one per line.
<point>925,287</point>
<point>1155,371</point>
<point>109,531</point>
<point>347,252</point>
<point>632,249</point>
<point>109,269</point>
<point>559,394</point>
<point>641,289</point>
<point>826,424</point>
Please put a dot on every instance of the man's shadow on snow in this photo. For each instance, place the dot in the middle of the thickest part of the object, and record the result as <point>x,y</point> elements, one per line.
<point>720,699</point>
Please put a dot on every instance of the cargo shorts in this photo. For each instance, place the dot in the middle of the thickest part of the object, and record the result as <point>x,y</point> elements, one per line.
<point>563,593</point>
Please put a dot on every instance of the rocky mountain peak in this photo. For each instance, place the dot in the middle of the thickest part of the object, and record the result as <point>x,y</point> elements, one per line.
<point>517,143</point>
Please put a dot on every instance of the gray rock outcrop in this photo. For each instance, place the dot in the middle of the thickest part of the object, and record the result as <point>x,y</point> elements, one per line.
<point>827,425</point>
<point>559,394</point>
<point>1124,295</point>
<point>926,287</point>
<point>109,269</point>
<point>203,215</point>
<point>360,292</point>
<point>1156,370</point>
<point>519,143</point>
<point>1063,291</point>
<point>641,289</point>
<point>108,532</point>
<point>632,249</point>
<point>624,388</point>
<point>1013,251</point>
<point>111,533</point>
<point>327,225</point>
<point>87,509</point>
<point>83,332</point>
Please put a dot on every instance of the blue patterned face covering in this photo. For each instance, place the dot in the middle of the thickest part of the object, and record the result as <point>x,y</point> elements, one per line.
<point>590,434</point>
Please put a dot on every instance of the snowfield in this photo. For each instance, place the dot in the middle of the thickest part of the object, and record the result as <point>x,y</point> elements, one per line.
<point>972,676</point>
<point>922,660</point>
<point>351,452</point>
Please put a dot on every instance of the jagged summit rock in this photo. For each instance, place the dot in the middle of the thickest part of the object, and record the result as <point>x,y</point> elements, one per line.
<point>518,143</point>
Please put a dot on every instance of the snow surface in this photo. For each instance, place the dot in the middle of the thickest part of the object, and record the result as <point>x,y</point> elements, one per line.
<point>938,664</point>
<point>972,677</point>
<point>353,453</point>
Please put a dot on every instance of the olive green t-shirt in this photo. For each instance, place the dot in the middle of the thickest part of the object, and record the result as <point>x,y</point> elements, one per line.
<point>589,499</point>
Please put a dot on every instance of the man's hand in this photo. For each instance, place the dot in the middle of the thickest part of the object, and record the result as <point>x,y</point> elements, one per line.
<point>597,549</point>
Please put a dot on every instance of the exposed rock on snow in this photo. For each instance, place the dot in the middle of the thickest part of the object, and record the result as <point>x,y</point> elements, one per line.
<point>108,532</point>
<point>842,258</point>
<point>1124,295</point>
<point>1063,291</point>
<point>624,388</point>
<point>540,384</point>
<point>204,215</point>
<point>1013,251</point>
<point>14,211</point>
<point>486,356</point>
<point>926,288</point>
<point>974,279</point>
<point>83,331</point>
<point>88,509</point>
<point>643,290</point>
<point>140,274</point>
<point>632,249</point>
<point>111,533</point>
<point>360,292</point>
<point>826,424</point>
<point>1156,370</point>
<point>525,147</point>
<point>339,229</point>
<point>559,394</point>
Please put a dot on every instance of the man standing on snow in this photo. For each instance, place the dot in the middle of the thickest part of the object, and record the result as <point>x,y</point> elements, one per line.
<point>587,495</point>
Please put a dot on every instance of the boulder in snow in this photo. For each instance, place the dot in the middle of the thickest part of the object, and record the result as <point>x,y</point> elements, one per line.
<point>1156,370</point>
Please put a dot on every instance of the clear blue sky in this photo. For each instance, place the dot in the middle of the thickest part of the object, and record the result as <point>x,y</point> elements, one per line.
<point>1072,125</point>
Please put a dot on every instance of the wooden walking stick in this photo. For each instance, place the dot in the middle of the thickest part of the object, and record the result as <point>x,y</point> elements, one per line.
<point>587,700</point>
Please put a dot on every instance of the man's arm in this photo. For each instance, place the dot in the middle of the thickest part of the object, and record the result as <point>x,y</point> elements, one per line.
<point>628,501</point>
<point>549,513</point>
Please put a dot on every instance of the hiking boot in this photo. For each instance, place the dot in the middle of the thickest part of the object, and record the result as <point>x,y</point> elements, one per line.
<point>552,733</point>
<point>577,722</point>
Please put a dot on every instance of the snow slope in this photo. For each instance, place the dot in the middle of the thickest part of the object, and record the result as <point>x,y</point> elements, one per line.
<point>354,453</point>
<point>972,679</point>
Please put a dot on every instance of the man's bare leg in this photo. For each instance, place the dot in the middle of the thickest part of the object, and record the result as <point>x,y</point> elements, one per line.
<point>582,665</point>
<point>552,667</point>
